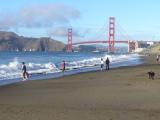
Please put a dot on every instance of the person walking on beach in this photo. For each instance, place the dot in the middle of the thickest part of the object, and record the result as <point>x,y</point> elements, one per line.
<point>157,58</point>
<point>107,63</point>
<point>63,66</point>
<point>24,71</point>
<point>102,64</point>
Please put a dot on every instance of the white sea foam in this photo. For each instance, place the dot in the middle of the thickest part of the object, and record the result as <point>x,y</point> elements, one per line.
<point>13,70</point>
<point>97,61</point>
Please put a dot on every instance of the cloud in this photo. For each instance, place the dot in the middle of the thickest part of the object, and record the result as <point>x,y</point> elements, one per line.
<point>58,31</point>
<point>39,16</point>
<point>63,31</point>
<point>6,21</point>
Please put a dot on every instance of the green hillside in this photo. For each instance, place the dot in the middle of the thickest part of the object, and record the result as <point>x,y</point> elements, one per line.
<point>155,49</point>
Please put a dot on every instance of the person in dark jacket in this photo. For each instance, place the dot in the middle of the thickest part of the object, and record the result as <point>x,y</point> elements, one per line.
<point>24,71</point>
<point>107,63</point>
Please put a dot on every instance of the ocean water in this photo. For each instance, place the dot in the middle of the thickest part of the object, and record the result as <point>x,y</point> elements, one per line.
<point>42,65</point>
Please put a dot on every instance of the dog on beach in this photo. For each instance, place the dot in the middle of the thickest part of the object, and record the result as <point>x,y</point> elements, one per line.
<point>27,75</point>
<point>151,75</point>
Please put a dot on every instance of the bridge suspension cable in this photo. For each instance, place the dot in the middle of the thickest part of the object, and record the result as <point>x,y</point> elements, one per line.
<point>110,40</point>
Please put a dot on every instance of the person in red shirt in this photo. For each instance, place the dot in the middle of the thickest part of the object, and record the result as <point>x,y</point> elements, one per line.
<point>63,66</point>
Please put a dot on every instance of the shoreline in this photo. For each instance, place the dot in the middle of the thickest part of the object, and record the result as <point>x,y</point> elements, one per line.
<point>124,93</point>
<point>46,76</point>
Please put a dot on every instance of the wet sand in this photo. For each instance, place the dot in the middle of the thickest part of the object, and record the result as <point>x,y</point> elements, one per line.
<point>123,93</point>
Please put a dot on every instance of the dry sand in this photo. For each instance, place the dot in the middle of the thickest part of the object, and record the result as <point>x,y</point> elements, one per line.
<point>124,93</point>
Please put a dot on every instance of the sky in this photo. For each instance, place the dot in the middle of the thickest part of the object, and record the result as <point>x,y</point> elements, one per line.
<point>89,19</point>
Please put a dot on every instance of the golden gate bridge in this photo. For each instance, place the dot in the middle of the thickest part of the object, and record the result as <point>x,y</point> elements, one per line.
<point>110,42</point>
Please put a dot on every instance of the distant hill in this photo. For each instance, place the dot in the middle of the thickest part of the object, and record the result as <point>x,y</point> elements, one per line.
<point>10,41</point>
<point>155,49</point>
<point>84,48</point>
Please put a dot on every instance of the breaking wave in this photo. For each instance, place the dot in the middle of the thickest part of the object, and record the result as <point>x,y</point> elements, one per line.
<point>12,70</point>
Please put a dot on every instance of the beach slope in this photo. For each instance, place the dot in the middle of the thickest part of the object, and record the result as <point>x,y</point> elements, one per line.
<point>124,93</point>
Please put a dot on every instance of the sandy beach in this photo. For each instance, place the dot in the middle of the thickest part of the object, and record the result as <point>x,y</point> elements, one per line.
<point>123,93</point>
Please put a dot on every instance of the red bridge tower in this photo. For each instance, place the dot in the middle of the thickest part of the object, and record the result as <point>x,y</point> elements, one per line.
<point>69,45</point>
<point>111,39</point>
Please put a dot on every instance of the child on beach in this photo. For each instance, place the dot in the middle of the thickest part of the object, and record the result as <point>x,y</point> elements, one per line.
<point>102,64</point>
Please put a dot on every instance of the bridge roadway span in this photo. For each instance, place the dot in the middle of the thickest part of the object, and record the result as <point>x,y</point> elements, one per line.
<point>99,41</point>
